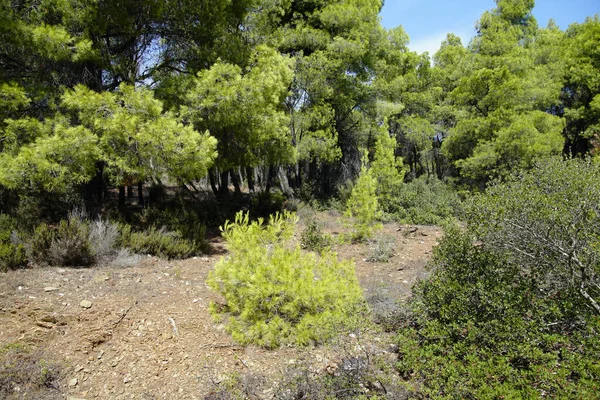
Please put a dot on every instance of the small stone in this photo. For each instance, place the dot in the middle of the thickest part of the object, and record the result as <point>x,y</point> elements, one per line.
<point>100,354</point>
<point>127,379</point>
<point>73,382</point>
<point>50,318</point>
<point>85,304</point>
<point>50,289</point>
<point>46,325</point>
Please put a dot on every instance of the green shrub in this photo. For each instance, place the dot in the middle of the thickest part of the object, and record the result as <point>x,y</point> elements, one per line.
<point>274,293</point>
<point>547,220</point>
<point>12,252</point>
<point>515,314</point>
<point>158,242</point>
<point>426,201</point>
<point>381,248</point>
<point>37,247</point>
<point>184,223</point>
<point>27,370</point>
<point>71,244</point>
<point>481,329</point>
<point>363,206</point>
<point>313,239</point>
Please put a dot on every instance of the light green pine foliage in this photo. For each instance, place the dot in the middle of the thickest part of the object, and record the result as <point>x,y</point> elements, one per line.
<point>136,139</point>
<point>126,129</point>
<point>582,100</point>
<point>362,207</point>
<point>243,109</point>
<point>510,78</point>
<point>275,293</point>
<point>386,167</point>
<point>58,157</point>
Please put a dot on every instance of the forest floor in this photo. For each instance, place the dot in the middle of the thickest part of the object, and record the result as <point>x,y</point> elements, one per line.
<point>144,331</point>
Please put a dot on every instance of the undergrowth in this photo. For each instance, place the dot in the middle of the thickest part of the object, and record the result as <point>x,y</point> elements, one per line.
<point>276,294</point>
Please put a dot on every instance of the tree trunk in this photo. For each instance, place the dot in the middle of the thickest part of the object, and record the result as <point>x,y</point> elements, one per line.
<point>326,186</point>
<point>235,179</point>
<point>250,178</point>
<point>212,180</point>
<point>270,178</point>
<point>129,191</point>
<point>140,192</point>
<point>284,183</point>
<point>122,207</point>
<point>224,187</point>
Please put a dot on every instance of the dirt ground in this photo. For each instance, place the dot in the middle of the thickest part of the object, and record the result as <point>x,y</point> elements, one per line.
<point>144,331</point>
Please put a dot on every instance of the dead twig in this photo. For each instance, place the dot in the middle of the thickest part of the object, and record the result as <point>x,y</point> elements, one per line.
<point>123,316</point>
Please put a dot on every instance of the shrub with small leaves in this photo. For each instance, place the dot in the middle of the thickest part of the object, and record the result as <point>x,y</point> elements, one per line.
<point>381,248</point>
<point>274,293</point>
<point>103,238</point>
<point>37,247</point>
<point>71,245</point>
<point>427,201</point>
<point>363,206</point>
<point>158,242</point>
<point>12,252</point>
<point>313,239</point>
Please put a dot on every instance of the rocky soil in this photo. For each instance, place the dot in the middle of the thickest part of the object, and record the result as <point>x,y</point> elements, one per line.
<point>144,331</point>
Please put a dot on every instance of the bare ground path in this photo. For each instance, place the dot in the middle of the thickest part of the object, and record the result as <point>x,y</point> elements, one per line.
<point>144,332</point>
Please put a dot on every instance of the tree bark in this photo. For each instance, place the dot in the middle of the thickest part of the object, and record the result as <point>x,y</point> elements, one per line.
<point>284,183</point>
<point>122,207</point>
<point>140,192</point>
<point>250,178</point>
<point>212,180</point>
<point>224,187</point>
<point>270,178</point>
<point>235,179</point>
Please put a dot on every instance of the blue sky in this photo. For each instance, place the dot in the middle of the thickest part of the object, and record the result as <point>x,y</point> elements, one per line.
<point>428,21</point>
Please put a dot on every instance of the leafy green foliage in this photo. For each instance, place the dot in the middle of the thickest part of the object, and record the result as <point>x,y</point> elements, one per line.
<point>12,252</point>
<point>71,244</point>
<point>313,239</point>
<point>159,242</point>
<point>242,109</point>
<point>508,82</point>
<point>549,223</point>
<point>38,244</point>
<point>59,158</point>
<point>514,314</point>
<point>481,328</point>
<point>386,168</point>
<point>363,206</point>
<point>136,139</point>
<point>276,294</point>
<point>581,95</point>
<point>426,201</point>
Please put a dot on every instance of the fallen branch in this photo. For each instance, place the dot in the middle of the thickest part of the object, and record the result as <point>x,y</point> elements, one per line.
<point>220,346</point>
<point>123,316</point>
